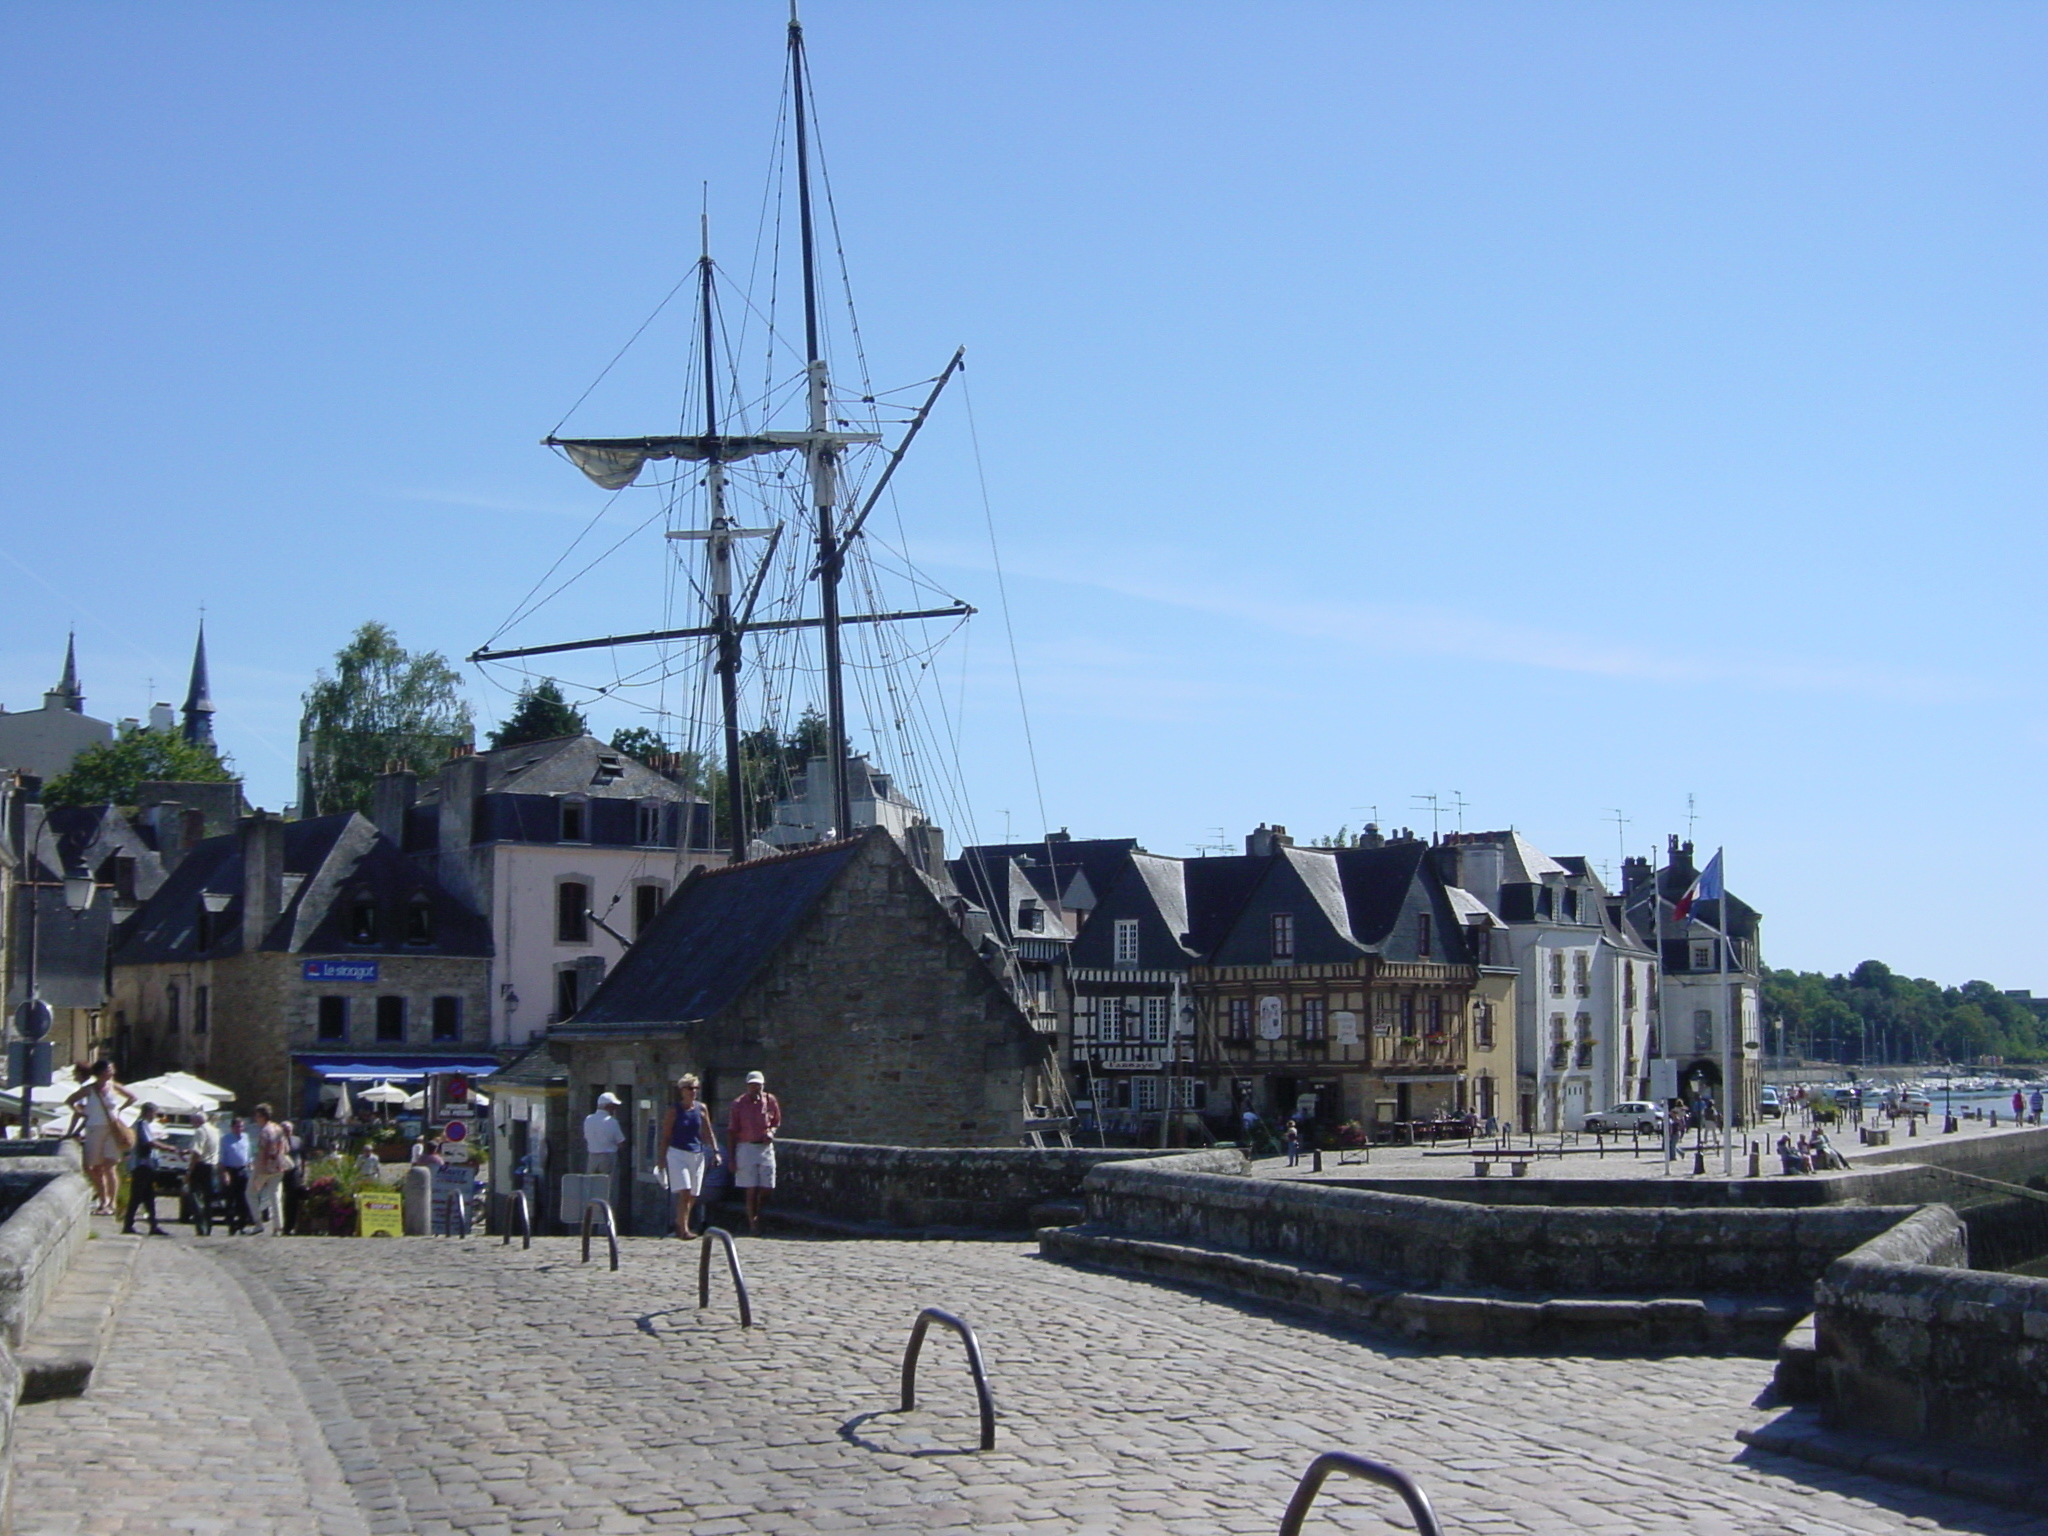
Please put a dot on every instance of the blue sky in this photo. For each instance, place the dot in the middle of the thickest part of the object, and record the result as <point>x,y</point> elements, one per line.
<point>1565,407</point>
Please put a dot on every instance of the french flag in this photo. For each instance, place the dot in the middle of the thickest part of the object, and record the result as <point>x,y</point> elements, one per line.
<point>1705,887</point>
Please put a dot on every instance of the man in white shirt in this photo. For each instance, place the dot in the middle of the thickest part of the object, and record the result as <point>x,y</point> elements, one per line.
<point>603,1135</point>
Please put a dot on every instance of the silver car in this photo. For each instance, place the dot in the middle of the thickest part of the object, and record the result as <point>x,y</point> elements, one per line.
<point>1623,1119</point>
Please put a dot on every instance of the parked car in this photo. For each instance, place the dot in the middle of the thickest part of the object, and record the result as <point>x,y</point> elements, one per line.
<point>1623,1119</point>
<point>1769,1105</point>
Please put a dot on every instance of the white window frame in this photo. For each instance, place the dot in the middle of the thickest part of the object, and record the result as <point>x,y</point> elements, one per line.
<point>1125,936</point>
<point>1157,1020</point>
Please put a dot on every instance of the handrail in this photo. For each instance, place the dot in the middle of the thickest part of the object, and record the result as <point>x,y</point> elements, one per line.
<point>457,1211</point>
<point>732,1264</point>
<point>611,1229</point>
<point>925,1319</point>
<point>1372,1472</point>
<point>517,1201</point>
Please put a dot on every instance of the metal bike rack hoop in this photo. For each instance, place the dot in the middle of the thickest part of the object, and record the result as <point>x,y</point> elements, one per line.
<point>611,1229</point>
<point>925,1319</point>
<point>732,1264</point>
<point>1370,1471</point>
<point>517,1201</point>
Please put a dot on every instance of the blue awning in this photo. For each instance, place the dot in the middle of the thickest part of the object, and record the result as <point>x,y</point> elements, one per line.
<point>357,1069</point>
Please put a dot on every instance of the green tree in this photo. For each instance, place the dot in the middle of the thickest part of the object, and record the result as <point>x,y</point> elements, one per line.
<point>541,714</point>
<point>637,741</point>
<point>110,772</point>
<point>381,704</point>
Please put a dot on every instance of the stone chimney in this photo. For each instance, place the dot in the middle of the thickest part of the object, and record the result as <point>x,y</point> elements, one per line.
<point>167,822</point>
<point>1265,841</point>
<point>262,837</point>
<point>162,718</point>
<point>926,846</point>
<point>391,798</point>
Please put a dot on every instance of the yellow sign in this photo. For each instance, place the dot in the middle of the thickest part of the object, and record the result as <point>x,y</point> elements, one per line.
<point>380,1215</point>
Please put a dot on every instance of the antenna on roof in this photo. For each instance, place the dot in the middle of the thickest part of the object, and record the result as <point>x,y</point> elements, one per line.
<point>1621,824</point>
<point>1458,799</point>
<point>1691,815</point>
<point>1435,814</point>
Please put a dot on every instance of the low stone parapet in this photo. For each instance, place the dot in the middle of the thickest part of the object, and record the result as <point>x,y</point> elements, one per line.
<point>1912,1344</point>
<point>996,1189</point>
<point>1415,1242</point>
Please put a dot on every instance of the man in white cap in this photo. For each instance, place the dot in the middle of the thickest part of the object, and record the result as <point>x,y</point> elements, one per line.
<point>750,1127</point>
<point>603,1135</point>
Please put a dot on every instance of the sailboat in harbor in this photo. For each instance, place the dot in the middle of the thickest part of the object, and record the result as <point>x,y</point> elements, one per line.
<point>800,475</point>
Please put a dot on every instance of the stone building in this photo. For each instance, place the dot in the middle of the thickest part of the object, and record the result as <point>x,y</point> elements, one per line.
<point>288,955</point>
<point>839,972</point>
<point>1712,985</point>
<point>567,848</point>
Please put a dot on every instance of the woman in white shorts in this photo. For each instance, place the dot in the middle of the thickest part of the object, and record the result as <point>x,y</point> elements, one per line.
<point>99,1103</point>
<point>692,1147</point>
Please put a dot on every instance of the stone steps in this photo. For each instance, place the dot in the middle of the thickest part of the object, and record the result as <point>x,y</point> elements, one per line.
<point>65,1345</point>
<point>1742,1325</point>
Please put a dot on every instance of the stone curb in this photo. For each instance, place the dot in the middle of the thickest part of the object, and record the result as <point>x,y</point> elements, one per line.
<point>1800,1433</point>
<point>68,1340</point>
<point>1631,1325</point>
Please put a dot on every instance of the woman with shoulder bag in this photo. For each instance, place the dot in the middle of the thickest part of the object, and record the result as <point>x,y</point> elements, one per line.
<point>107,1139</point>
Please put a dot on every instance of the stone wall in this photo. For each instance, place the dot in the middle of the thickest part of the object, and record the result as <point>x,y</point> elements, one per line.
<point>1913,1344</point>
<point>986,1188</point>
<point>1415,1241</point>
<point>45,1201</point>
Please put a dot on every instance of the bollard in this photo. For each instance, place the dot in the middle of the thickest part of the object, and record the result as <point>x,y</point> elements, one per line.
<point>1756,1161</point>
<point>1319,1160</point>
<point>983,1397</point>
<point>1912,1125</point>
<point>1949,1126</point>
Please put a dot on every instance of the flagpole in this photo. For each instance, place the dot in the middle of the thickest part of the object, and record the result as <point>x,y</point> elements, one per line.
<point>1728,1032</point>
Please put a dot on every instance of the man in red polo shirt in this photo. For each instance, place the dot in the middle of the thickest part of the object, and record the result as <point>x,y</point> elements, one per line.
<point>750,1127</point>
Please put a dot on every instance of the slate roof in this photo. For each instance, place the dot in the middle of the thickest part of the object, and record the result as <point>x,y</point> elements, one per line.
<point>335,859</point>
<point>1376,884</point>
<point>566,765</point>
<point>1051,863</point>
<point>712,938</point>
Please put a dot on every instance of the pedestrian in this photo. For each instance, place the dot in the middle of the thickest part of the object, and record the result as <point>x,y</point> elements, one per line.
<point>142,1172</point>
<point>750,1127</point>
<point>1250,1121</point>
<point>2034,1103</point>
<point>235,1154</point>
<point>603,1135</point>
<point>1292,1138</point>
<point>692,1147</point>
<point>2019,1107</point>
<point>1788,1159</point>
<point>267,1168</point>
<point>294,1175</point>
<point>107,1139</point>
<point>199,1173</point>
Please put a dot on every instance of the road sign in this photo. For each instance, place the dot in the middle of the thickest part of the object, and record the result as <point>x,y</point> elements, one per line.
<point>456,1130</point>
<point>32,1020</point>
<point>28,1063</point>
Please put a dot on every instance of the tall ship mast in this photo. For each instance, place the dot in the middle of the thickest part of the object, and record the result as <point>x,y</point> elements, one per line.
<point>739,448</point>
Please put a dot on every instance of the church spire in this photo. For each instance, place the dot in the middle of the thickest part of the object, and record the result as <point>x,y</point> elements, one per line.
<point>67,694</point>
<point>198,701</point>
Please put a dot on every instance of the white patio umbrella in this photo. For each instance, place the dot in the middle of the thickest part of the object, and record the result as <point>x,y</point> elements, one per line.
<point>343,1110</point>
<point>384,1093</point>
<point>170,1097</point>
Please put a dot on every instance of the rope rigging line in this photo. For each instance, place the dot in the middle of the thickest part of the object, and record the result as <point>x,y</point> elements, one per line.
<point>1003,598</point>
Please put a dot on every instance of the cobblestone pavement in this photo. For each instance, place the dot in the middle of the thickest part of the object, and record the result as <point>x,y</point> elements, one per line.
<point>193,1424</point>
<point>465,1386</point>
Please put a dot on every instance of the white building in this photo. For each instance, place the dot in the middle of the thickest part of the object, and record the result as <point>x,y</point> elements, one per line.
<point>568,849</point>
<point>1587,994</point>
<point>804,815</point>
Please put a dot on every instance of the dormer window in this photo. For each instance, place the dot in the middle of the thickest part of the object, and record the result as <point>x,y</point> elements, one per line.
<point>575,820</point>
<point>1126,936</point>
<point>1571,905</point>
<point>610,769</point>
<point>647,824</point>
<point>362,921</point>
<point>1281,932</point>
<point>1030,917</point>
<point>419,921</point>
<point>1422,935</point>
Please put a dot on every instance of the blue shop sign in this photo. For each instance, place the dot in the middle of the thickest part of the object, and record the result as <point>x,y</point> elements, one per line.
<point>340,970</point>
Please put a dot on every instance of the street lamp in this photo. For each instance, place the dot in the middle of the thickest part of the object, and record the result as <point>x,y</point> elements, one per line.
<point>33,1019</point>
